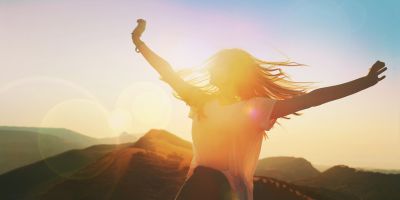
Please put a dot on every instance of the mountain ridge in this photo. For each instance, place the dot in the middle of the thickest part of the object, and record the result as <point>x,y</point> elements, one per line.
<point>20,146</point>
<point>155,166</point>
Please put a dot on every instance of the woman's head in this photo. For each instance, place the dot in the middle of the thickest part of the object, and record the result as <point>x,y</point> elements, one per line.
<point>237,70</point>
<point>231,68</point>
<point>247,76</point>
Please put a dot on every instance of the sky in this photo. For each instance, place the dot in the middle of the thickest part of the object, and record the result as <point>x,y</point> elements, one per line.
<point>72,64</point>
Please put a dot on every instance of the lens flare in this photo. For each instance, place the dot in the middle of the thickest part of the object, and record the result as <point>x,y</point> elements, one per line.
<point>149,105</point>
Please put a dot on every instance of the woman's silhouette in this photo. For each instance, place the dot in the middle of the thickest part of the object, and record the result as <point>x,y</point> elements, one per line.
<point>231,107</point>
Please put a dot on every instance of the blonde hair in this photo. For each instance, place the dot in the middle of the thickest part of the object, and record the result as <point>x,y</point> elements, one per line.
<point>254,77</point>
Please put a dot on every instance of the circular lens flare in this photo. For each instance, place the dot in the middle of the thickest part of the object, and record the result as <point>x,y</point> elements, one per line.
<point>149,105</point>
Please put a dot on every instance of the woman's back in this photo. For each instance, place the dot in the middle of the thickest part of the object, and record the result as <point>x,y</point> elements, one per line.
<point>229,139</point>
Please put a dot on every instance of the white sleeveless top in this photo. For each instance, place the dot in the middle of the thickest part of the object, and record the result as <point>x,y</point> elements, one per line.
<point>229,139</point>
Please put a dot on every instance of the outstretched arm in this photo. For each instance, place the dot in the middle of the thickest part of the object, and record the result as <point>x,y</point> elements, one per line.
<point>189,93</point>
<point>327,94</point>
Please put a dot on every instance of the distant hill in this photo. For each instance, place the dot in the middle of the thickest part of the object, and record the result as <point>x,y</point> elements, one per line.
<point>20,146</point>
<point>62,133</point>
<point>271,188</point>
<point>323,168</point>
<point>30,181</point>
<point>152,168</point>
<point>383,171</point>
<point>286,168</point>
<point>155,166</point>
<point>363,184</point>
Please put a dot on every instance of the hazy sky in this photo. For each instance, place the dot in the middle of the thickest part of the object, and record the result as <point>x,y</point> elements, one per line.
<point>72,64</point>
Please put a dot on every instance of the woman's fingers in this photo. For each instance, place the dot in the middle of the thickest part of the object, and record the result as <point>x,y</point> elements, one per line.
<point>141,22</point>
<point>381,78</point>
<point>381,70</point>
<point>378,65</point>
<point>377,68</point>
<point>137,32</point>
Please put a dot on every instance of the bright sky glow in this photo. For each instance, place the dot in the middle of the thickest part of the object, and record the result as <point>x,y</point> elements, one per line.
<point>64,59</point>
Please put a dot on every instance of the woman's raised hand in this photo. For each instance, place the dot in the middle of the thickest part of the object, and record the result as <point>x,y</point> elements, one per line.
<point>374,71</point>
<point>137,32</point>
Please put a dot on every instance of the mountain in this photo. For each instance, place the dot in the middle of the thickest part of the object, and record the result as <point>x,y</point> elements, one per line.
<point>363,184</point>
<point>29,181</point>
<point>154,167</point>
<point>271,188</point>
<point>61,133</point>
<point>286,168</point>
<point>158,160</point>
<point>20,146</point>
<point>383,171</point>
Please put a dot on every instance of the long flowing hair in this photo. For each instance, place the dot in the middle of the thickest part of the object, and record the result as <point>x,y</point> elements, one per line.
<point>258,78</point>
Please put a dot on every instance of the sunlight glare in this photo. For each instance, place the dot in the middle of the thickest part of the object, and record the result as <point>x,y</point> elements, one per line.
<point>149,105</point>
<point>82,115</point>
<point>120,121</point>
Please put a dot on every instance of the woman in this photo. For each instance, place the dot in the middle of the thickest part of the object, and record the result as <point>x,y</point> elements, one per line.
<point>233,101</point>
